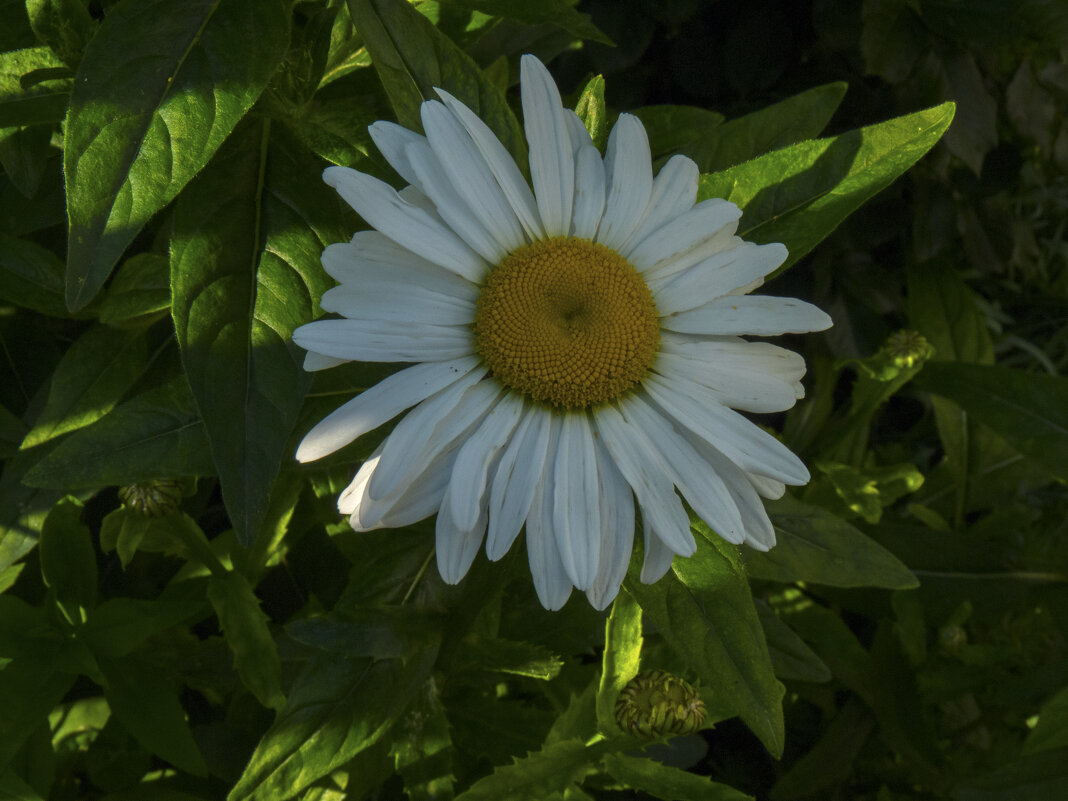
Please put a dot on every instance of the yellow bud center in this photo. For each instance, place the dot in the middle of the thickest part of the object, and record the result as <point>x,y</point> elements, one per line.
<point>567,322</point>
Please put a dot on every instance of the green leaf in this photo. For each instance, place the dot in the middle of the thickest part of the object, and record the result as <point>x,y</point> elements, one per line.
<point>621,658</point>
<point>244,625</point>
<point>245,272</point>
<point>382,633</point>
<point>1051,731</point>
<point>892,40</point>
<point>155,435</point>
<point>90,379</point>
<point>337,708</point>
<point>412,57</point>
<point>1030,411</point>
<point>121,625</point>
<point>591,110</point>
<point>1035,777</point>
<point>158,90</point>
<point>704,610</point>
<point>672,129</point>
<point>23,509</point>
<point>866,491</point>
<point>560,13</point>
<point>24,155</point>
<point>12,788</point>
<point>815,545</point>
<point>799,194</point>
<point>797,118</point>
<point>141,286</point>
<point>39,102</point>
<point>64,25</point>
<point>31,687</point>
<point>534,777</point>
<point>422,748</point>
<point>68,561</point>
<point>578,720</point>
<point>666,782</point>
<point>146,705</point>
<point>509,656</point>
<point>793,660</point>
<point>31,277</point>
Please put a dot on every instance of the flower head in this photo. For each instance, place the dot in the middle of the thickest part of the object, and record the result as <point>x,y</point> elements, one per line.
<point>575,346</point>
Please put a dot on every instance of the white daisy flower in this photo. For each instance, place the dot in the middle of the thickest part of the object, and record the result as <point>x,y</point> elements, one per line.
<point>575,346</point>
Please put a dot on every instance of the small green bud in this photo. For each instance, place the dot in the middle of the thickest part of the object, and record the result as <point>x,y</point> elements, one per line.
<point>907,347</point>
<point>951,639</point>
<point>655,703</point>
<point>154,498</point>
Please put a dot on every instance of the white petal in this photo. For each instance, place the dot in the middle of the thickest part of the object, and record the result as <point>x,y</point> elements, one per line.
<point>576,128</point>
<point>452,208</point>
<point>382,402</point>
<point>515,480</point>
<point>716,276</point>
<point>379,341</point>
<point>756,315</point>
<point>697,480</point>
<point>687,239</point>
<point>456,547</point>
<point>645,470</point>
<point>349,499</point>
<point>674,192</point>
<point>739,387</point>
<point>316,361</point>
<point>767,487</point>
<point>501,164</point>
<point>744,443</point>
<point>405,444</point>
<point>418,499</point>
<point>589,193</point>
<point>391,140</point>
<point>370,256</point>
<point>467,489</point>
<point>552,165</point>
<point>471,176</point>
<point>617,532</point>
<point>576,507</point>
<point>407,225</point>
<point>550,579</point>
<point>388,300</point>
<point>738,353</point>
<point>657,560</point>
<point>628,180</point>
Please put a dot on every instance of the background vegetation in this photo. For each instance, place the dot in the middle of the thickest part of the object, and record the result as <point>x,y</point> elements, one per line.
<point>221,633</point>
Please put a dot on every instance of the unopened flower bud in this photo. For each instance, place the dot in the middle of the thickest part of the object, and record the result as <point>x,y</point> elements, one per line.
<point>154,498</point>
<point>655,703</point>
<point>907,347</point>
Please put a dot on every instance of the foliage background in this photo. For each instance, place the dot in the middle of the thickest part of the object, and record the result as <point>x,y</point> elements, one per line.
<point>248,645</point>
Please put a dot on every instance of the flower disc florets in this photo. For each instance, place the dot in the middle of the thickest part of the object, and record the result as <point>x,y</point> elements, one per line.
<point>567,322</point>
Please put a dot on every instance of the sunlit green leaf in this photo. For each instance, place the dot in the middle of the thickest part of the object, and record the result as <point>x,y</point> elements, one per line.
<point>815,545</point>
<point>704,611</point>
<point>591,110</point>
<point>158,90</point>
<point>509,656</point>
<point>245,627</point>
<point>156,434</point>
<point>799,194</point>
<point>621,658</point>
<point>245,272</point>
<point>42,102</point>
<point>64,25</point>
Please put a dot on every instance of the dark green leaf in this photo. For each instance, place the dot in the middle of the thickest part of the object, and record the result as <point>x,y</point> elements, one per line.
<point>510,656</point>
<point>24,155</point>
<point>943,309</point>
<point>892,39</point>
<point>30,688</point>
<point>146,704</point>
<point>15,30</point>
<point>814,545</point>
<point>422,748</point>
<point>337,708</point>
<point>974,131</point>
<point>19,217</point>
<point>1036,777</point>
<point>534,777</point>
<point>1030,411</point>
<point>797,118</point>
<point>413,57</point>
<point>671,129</point>
<point>665,782</point>
<point>704,610</point>
<point>155,435</point>
<point>141,286</point>
<point>621,658</point>
<point>245,272</point>
<point>22,509</point>
<point>89,381</point>
<point>1051,731</point>
<point>12,788</point>
<point>381,633</point>
<point>120,625</point>
<point>63,25</point>
<point>245,627</point>
<point>793,660</point>
<point>68,561</point>
<point>799,194</point>
<point>43,102</point>
<point>31,276</point>
<point>159,89</point>
<point>560,13</point>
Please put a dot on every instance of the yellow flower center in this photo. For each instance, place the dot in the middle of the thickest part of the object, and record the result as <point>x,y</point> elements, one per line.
<point>567,322</point>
